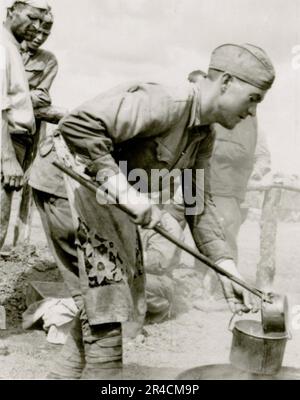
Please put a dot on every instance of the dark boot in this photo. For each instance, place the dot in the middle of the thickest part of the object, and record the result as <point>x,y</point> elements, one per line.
<point>103,371</point>
<point>103,353</point>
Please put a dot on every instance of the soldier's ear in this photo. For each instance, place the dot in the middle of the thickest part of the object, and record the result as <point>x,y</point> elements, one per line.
<point>226,80</point>
<point>10,12</point>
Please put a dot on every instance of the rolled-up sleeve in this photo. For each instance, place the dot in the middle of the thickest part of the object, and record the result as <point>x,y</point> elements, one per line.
<point>206,227</point>
<point>40,96</point>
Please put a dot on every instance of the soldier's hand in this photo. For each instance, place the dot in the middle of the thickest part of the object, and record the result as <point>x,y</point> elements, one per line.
<point>239,299</point>
<point>137,203</point>
<point>148,216</point>
<point>12,174</point>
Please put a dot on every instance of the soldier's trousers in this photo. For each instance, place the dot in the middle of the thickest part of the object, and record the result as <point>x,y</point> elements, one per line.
<point>22,145</point>
<point>90,352</point>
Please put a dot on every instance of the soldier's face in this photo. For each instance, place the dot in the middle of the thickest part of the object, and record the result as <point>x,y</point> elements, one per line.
<point>39,39</point>
<point>26,21</point>
<point>237,101</point>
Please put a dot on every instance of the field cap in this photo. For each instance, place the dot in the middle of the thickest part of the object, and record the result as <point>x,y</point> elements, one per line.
<point>42,4</point>
<point>246,62</point>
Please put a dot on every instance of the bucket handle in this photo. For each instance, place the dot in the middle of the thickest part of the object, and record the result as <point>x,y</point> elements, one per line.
<point>230,328</point>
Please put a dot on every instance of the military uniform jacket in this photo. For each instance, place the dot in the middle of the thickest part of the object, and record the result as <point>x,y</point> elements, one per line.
<point>151,126</point>
<point>41,69</point>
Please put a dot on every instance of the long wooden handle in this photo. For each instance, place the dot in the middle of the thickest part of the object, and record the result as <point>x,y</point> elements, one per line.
<point>210,264</point>
<point>94,187</point>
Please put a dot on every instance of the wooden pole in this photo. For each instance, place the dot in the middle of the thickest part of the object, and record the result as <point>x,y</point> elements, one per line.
<point>22,229</point>
<point>268,232</point>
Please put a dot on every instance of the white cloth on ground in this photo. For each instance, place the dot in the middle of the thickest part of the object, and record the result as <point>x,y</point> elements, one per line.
<point>56,314</point>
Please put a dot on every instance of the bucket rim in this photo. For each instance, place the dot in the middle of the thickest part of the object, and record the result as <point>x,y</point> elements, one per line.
<point>270,336</point>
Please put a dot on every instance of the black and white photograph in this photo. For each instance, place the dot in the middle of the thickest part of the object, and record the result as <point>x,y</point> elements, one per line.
<point>150,192</point>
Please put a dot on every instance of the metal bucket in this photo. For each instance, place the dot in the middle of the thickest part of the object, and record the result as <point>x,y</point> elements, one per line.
<point>257,352</point>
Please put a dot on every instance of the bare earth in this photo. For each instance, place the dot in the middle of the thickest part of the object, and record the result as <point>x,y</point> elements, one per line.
<point>194,338</point>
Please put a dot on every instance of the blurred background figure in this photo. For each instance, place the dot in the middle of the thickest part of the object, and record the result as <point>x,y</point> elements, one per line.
<point>24,19</point>
<point>18,126</point>
<point>161,257</point>
<point>41,69</point>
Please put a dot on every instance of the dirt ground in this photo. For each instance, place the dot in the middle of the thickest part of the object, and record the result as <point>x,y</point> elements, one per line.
<point>194,338</point>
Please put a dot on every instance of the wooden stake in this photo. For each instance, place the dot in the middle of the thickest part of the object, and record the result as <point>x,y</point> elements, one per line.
<point>268,232</point>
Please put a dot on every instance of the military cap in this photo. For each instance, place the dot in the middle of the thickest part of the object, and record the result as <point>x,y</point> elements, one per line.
<point>246,62</point>
<point>42,4</point>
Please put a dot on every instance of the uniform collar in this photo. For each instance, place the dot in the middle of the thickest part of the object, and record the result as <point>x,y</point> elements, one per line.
<point>25,49</point>
<point>195,116</point>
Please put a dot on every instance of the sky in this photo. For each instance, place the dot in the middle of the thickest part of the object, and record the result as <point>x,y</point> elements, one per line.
<point>100,43</point>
